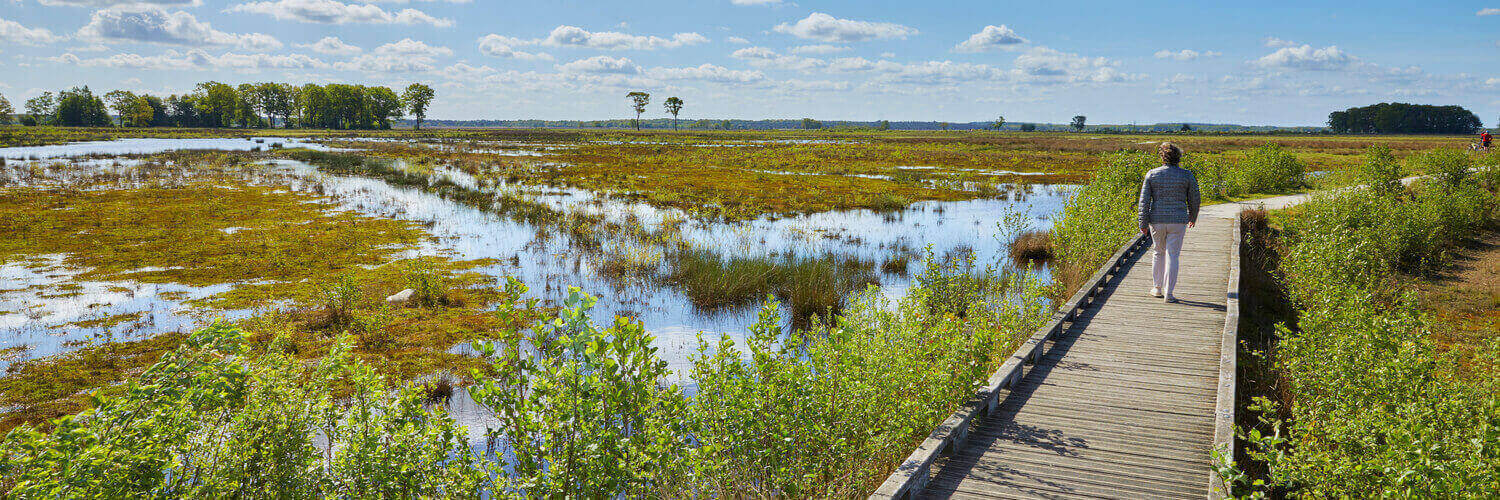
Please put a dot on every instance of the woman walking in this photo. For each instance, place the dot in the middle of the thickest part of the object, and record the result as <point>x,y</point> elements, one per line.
<point>1168,206</point>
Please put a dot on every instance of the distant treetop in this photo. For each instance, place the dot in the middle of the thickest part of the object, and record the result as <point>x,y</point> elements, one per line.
<point>1402,118</point>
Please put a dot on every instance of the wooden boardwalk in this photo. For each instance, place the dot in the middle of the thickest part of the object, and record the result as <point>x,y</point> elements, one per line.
<point>1122,402</point>
<point>1122,394</point>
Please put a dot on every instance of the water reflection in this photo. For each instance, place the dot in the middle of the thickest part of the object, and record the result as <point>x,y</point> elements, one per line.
<point>141,146</point>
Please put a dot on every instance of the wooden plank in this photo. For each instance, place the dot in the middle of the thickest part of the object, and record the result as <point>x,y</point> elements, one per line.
<point>1073,435</point>
<point>1038,484</point>
<point>1088,482</point>
<point>1187,476</point>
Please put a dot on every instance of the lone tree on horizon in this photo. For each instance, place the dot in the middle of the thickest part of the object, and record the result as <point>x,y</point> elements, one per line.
<point>999,122</point>
<point>5,111</point>
<point>674,106</point>
<point>416,98</point>
<point>638,101</point>
<point>1079,121</point>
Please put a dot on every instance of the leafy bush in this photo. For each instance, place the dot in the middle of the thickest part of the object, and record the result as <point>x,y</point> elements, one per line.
<point>1450,166</point>
<point>1101,215</point>
<point>584,412</point>
<point>427,284</point>
<point>1268,169</point>
<point>1380,171</point>
<point>1214,180</point>
<point>340,297</point>
<point>207,421</point>
<point>1372,406</point>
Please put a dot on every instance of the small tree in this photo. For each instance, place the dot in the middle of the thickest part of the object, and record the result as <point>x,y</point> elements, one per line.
<point>638,102</point>
<point>999,122</point>
<point>5,111</point>
<point>1186,128</point>
<point>1028,127</point>
<point>39,108</point>
<point>288,102</point>
<point>1079,121</point>
<point>416,98</point>
<point>121,101</point>
<point>79,107</point>
<point>884,125</point>
<point>810,124</point>
<point>139,113</point>
<point>674,106</point>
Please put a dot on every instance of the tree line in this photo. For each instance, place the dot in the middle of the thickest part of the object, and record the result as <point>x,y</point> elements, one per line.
<point>1402,118</point>
<point>216,105</point>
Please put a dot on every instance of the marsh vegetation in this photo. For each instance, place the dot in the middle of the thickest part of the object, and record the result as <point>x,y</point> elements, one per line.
<point>784,313</point>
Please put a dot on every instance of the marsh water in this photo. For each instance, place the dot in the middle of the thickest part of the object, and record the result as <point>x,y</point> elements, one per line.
<point>889,245</point>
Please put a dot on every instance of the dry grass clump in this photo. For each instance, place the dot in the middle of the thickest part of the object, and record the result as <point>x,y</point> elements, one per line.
<point>1032,247</point>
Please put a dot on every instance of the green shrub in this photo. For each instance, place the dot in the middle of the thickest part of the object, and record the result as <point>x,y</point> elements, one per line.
<point>1450,166</point>
<point>1213,178</point>
<point>209,422</point>
<point>1268,169</point>
<point>1101,216</point>
<point>1374,412</point>
<point>339,298</point>
<point>429,287</point>
<point>585,412</point>
<point>1380,171</point>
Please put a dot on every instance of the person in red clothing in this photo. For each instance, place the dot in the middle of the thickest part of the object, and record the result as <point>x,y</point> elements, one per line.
<point>1484,140</point>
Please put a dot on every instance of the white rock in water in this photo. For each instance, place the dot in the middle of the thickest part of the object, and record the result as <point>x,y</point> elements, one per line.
<point>400,297</point>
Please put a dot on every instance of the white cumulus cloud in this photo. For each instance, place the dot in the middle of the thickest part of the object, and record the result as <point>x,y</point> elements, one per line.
<point>1046,65</point>
<point>819,49</point>
<point>152,24</point>
<point>1185,54</point>
<point>197,60</point>
<point>708,72</point>
<point>405,56</point>
<point>754,53</point>
<point>505,47</point>
<point>601,65</point>
<point>335,12</point>
<point>991,38</point>
<point>573,36</point>
<point>409,47</point>
<point>826,28</point>
<point>1277,43</point>
<point>14,32</point>
<point>331,45</point>
<point>115,3</point>
<point>1306,57</point>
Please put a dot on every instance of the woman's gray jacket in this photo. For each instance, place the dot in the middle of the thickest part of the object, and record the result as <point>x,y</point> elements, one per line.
<point>1169,195</point>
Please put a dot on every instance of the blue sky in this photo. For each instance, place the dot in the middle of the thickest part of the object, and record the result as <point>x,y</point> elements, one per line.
<point>1285,63</point>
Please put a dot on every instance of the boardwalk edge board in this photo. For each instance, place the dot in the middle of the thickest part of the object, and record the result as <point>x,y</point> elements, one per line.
<point>1228,361</point>
<point>949,436</point>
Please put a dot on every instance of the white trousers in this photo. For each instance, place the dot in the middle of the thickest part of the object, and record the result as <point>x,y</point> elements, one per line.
<point>1166,247</point>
